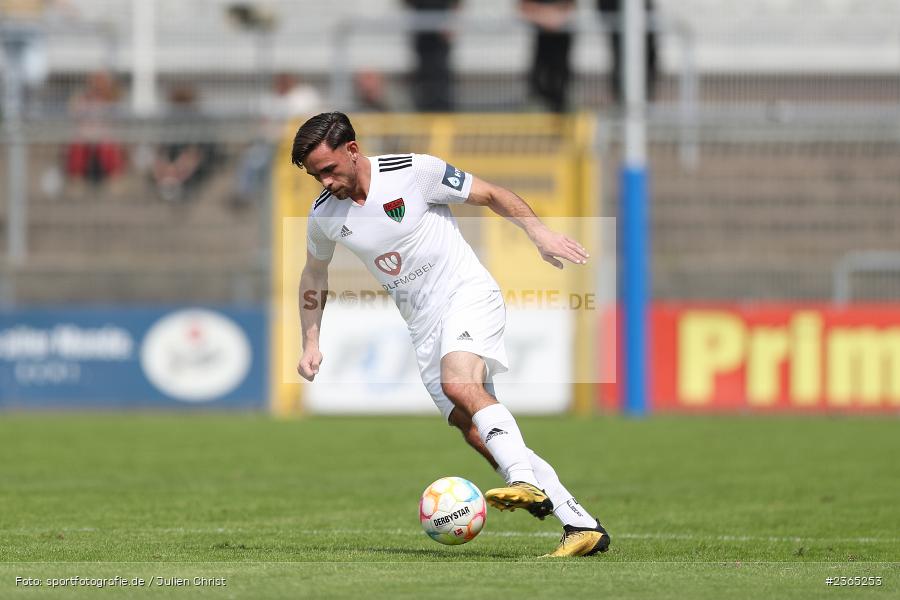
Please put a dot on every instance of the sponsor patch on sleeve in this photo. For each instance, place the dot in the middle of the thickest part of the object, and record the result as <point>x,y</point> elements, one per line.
<point>454,178</point>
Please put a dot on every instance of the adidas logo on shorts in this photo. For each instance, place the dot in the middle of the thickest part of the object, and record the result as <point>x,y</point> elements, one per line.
<point>465,336</point>
<point>345,231</point>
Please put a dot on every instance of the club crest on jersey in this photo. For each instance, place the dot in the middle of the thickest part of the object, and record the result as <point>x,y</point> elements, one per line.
<point>395,209</point>
<point>389,263</point>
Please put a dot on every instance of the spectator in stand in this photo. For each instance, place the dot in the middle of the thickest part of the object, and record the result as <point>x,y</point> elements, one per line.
<point>95,156</point>
<point>181,165</point>
<point>611,11</point>
<point>432,80</point>
<point>371,95</point>
<point>290,99</point>
<point>548,80</point>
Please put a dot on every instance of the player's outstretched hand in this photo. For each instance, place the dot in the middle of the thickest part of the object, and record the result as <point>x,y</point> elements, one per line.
<point>309,364</point>
<point>553,246</point>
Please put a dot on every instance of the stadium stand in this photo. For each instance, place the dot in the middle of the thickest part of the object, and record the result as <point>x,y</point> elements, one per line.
<point>751,228</point>
<point>793,130</point>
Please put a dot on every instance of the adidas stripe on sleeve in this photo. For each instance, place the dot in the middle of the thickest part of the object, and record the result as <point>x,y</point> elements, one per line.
<point>394,162</point>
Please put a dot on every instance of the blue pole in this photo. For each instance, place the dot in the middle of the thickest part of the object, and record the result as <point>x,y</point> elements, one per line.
<point>635,241</point>
<point>634,211</point>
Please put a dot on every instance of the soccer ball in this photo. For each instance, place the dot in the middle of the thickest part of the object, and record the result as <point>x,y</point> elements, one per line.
<point>452,510</point>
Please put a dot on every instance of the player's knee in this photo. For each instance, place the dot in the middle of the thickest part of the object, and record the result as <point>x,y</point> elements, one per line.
<point>457,392</point>
<point>467,398</point>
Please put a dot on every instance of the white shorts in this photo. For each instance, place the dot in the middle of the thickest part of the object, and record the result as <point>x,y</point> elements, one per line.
<point>474,322</point>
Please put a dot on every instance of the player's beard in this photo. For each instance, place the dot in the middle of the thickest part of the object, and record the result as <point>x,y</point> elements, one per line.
<point>343,191</point>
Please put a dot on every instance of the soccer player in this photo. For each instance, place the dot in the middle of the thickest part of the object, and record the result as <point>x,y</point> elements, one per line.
<point>392,212</point>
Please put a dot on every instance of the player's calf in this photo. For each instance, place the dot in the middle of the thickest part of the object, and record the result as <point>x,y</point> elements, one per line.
<point>470,433</point>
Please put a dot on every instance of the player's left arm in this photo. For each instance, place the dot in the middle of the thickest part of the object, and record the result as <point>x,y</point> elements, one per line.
<point>551,244</point>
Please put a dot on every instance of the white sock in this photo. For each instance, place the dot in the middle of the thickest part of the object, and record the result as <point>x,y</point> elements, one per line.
<point>565,507</point>
<point>501,435</point>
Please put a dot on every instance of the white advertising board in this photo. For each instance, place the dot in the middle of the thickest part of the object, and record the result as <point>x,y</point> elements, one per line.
<point>369,365</point>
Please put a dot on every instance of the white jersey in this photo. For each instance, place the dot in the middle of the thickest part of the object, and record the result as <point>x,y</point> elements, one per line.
<point>406,235</point>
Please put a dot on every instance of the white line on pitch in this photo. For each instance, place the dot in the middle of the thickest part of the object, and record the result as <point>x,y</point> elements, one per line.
<point>414,532</point>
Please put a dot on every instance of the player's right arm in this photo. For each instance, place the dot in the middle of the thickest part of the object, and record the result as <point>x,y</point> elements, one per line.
<point>313,291</point>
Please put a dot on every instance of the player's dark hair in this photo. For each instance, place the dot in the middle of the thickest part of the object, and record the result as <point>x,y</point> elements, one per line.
<point>333,128</point>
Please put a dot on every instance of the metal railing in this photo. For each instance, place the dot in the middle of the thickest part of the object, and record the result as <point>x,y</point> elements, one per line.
<point>857,262</point>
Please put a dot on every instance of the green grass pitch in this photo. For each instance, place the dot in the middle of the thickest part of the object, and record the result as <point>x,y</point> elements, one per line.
<point>698,507</point>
